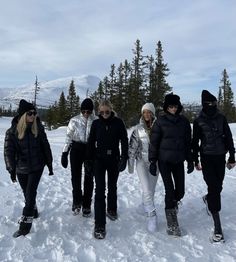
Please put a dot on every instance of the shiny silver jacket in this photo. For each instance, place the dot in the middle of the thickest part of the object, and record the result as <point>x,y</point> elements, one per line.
<point>78,130</point>
<point>138,144</point>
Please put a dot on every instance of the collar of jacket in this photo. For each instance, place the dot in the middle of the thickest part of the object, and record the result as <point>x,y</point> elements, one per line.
<point>203,114</point>
<point>172,117</point>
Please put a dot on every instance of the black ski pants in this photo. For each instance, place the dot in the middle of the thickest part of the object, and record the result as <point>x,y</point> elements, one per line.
<point>213,169</point>
<point>103,166</point>
<point>77,158</point>
<point>174,179</point>
<point>29,185</point>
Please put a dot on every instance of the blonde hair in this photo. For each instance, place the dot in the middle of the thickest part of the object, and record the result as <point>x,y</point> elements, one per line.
<point>106,103</point>
<point>21,127</point>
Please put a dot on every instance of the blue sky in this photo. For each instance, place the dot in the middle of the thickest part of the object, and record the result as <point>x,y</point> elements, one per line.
<point>55,38</point>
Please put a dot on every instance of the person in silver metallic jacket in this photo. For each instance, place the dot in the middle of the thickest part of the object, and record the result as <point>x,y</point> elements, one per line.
<point>138,151</point>
<point>77,134</point>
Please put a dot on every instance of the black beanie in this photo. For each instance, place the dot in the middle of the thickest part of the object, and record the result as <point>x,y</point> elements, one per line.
<point>172,99</point>
<point>25,106</point>
<point>207,97</point>
<point>87,104</point>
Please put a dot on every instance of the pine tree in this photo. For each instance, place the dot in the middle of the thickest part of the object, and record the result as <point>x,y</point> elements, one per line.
<point>72,101</point>
<point>226,97</point>
<point>106,88</point>
<point>136,83</point>
<point>160,85</point>
<point>112,82</point>
<point>36,90</point>
<point>62,111</point>
<point>220,99</point>
<point>118,96</point>
<point>125,72</point>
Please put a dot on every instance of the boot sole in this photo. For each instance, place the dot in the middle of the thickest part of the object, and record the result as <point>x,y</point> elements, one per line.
<point>112,218</point>
<point>18,234</point>
<point>173,233</point>
<point>213,241</point>
<point>99,235</point>
<point>87,215</point>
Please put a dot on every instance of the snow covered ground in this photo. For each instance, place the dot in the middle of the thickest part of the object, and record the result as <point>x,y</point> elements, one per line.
<point>57,235</point>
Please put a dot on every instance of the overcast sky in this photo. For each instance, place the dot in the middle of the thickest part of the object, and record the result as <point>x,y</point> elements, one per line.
<point>59,38</point>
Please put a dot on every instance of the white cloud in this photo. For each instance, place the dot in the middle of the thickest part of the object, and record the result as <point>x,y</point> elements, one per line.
<point>59,38</point>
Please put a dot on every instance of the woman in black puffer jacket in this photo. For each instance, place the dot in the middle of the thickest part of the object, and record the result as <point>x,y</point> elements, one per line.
<point>106,134</point>
<point>26,152</point>
<point>170,144</point>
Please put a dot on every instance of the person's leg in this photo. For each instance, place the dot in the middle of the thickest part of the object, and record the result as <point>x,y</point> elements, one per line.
<point>179,180</point>
<point>170,202</point>
<point>30,200</point>
<point>213,169</point>
<point>153,180</point>
<point>112,178</point>
<point>100,187</point>
<point>148,184</point>
<point>76,172</point>
<point>31,190</point>
<point>165,170</point>
<point>88,191</point>
<point>23,181</point>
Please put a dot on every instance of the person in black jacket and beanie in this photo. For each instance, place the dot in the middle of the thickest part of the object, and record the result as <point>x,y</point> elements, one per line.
<point>106,134</point>
<point>170,144</point>
<point>26,152</point>
<point>211,129</point>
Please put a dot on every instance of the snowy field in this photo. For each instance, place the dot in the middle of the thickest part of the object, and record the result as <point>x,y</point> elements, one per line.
<point>57,235</point>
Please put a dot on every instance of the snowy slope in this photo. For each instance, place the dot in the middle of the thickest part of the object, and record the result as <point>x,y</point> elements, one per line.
<point>57,235</point>
<point>49,91</point>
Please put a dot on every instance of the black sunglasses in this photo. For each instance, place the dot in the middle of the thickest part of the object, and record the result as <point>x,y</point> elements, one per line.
<point>30,113</point>
<point>86,112</point>
<point>173,106</point>
<point>107,112</point>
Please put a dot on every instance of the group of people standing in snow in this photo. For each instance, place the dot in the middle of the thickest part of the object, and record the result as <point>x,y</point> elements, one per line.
<point>100,144</point>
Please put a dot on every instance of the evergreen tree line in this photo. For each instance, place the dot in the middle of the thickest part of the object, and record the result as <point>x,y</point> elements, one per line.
<point>7,112</point>
<point>133,83</point>
<point>61,112</point>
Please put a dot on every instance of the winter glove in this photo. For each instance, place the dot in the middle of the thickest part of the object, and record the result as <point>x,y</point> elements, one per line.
<point>153,168</point>
<point>13,176</point>
<point>88,167</point>
<point>231,159</point>
<point>122,164</point>
<point>190,167</point>
<point>64,159</point>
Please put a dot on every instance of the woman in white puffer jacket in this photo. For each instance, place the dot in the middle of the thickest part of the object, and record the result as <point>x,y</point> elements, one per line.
<point>138,151</point>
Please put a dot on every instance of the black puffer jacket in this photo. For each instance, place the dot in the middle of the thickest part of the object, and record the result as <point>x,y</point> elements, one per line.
<point>29,154</point>
<point>105,136</point>
<point>170,139</point>
<point>214,134</point>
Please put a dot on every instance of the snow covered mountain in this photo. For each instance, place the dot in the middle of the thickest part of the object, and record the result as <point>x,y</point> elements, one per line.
<point>49,91</point>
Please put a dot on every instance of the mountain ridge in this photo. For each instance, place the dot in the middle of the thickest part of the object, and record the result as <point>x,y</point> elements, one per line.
<point>49,90</point>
